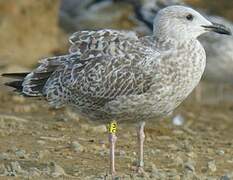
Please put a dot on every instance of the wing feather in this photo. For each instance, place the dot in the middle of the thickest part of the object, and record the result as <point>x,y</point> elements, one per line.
<point>102,66</point>
<point>83,41</point>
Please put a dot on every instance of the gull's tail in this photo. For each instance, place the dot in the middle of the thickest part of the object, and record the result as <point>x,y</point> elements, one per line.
<point>32,83</point>
<point>28,83</point>
<point>19,78</point>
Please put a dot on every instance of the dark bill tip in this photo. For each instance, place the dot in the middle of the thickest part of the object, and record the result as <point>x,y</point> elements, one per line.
<point>218,28</point>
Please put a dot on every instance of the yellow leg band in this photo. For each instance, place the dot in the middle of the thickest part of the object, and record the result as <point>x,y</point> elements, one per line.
<point>112,127</point>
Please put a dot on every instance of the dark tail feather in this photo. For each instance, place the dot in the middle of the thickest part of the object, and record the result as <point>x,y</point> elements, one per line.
<point>15,84</point>
<point>18,83</point>
<point>32,83</point>
<point>16,75</point>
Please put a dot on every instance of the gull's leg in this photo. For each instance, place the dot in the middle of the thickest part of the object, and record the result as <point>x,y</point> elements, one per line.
<point>112,140</point>
<point>141,138</point>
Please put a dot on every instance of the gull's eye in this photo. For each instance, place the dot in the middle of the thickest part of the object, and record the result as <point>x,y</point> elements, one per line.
<point>189,17</point>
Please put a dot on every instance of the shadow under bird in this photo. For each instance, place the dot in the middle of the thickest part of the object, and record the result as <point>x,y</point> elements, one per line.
<point>116,75</point>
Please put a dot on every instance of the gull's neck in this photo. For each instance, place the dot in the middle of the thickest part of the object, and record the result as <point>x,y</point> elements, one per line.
<point>166,43</point>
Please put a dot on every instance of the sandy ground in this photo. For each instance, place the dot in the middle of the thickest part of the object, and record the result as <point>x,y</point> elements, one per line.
<point>38,142</point>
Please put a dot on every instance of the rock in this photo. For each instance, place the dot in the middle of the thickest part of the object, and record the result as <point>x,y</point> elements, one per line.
<point>32,37</point>
<point>2,169</point>
<point>178,161</point>
<point>172,174</point>
<point>192,155</point>
<point>77,147</point>
<point>14,169</point>
<point>173,147</point>
<point>178,120</point>
<point>228,176</point>
<point>189,175</point>
<point>40,154</point>
<point>121,153</point>
<point>163,138</point>
<point>34,172</point>
<point>99,129</point>
<point>210,151</point>
<point>41,142</point>
<point>220,152</point>
<point>225,178</point>
<point>187,146</point>
<point>4,156</point>
<point>103,152</point>
<point>189,165</point>
<point>20,153</point>
<point>152,168</point>
<point>56,170</point>
<point>212,166</point>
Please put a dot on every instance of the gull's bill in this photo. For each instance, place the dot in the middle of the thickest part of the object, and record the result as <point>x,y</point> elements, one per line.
<point>218,28</point>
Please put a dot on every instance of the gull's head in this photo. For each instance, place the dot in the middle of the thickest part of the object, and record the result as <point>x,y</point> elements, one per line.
<point>184,23</point>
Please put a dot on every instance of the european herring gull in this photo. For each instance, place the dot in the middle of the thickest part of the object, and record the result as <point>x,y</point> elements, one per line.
<point>116,75</point>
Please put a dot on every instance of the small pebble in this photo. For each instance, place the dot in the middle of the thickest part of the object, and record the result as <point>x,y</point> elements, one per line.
<point>153,168</point>
<point>99,129</point>
<point>192,155</point>
<point>187,146</point>
<point>4,156</point>
<point>34,172</point>
<point>2,169</point>
<point>190,166</point>
<point>77,147</point>
<point>220,152</point>
<point>41,142</point>
<point>178,161</point>
<point>212,166</point>
<point>163,138</point>
<point>178,120</point>
<point>20,153</point>
<point>121,153</point>
<point>16,169</point>
<point>173,147</point>
<point>56,170</point>
<point>225,178</point>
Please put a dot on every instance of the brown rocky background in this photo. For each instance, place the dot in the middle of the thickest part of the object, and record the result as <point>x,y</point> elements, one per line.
<point>28,31</point>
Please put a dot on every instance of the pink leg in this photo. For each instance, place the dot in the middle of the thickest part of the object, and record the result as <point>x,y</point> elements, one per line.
<point>112,141</point>
<point>141,138</point>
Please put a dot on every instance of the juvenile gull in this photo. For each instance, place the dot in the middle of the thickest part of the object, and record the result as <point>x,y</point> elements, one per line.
<point>111,74</point>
